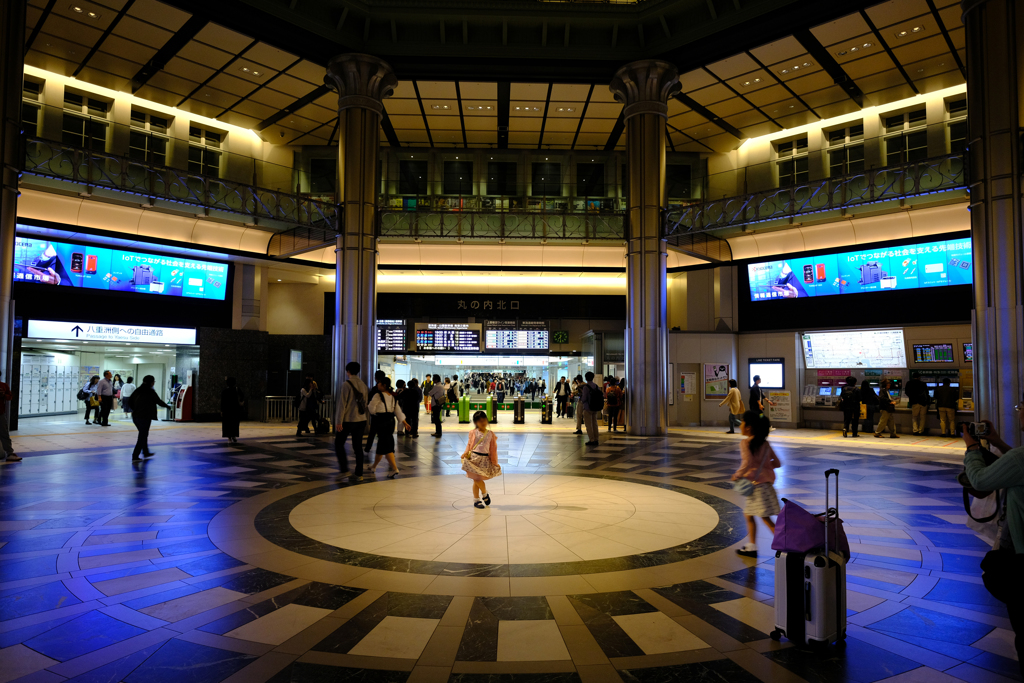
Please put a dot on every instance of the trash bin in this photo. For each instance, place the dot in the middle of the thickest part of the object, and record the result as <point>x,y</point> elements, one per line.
<point>519,410</point>
<point>492,410</point>
<point>463,409</point>
<point>545,411</point>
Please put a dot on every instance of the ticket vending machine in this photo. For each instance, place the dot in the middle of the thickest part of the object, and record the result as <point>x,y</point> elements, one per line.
<point>183,404</point>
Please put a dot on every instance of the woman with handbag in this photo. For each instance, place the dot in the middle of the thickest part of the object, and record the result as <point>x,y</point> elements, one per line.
<point>755,479</point>
<point>88,394</point>
<point>736,407</point>
<point>480,459</point>
<point>385,414</point>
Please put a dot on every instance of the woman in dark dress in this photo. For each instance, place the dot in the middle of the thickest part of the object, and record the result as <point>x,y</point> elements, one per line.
<point>232,405</point>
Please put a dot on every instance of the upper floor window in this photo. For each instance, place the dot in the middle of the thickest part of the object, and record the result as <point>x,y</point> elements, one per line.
<point>906,137</point>
<point>458,177</point>
<point>29,111</point>
<point>84,123</point>
<point>203,154</point>
<point>502,178</point>
<point>146,141</point>
<point>792,161</point>
<point>590,180</point>
<point>412,177</point>
<point>30,90</point>
<point>846,150</point>
<point>547,180</point>
<point>957,126</point>
<point>323,176</point>
<point>85,105</point>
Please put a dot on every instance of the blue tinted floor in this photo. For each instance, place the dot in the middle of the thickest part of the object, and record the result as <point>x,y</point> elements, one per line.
<point>186,568</point>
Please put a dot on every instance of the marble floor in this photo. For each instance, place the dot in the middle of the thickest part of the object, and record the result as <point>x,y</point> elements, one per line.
<point>257,562</point>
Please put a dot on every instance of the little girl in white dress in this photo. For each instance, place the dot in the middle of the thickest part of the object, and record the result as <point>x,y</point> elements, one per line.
<point>480,461</point>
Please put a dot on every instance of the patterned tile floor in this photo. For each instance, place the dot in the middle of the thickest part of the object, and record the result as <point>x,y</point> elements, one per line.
<point>189,566</point>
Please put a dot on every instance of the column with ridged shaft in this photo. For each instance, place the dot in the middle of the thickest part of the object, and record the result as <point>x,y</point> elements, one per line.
<point>362,82</point>
<point>644,88</point>
<point>994,31</point>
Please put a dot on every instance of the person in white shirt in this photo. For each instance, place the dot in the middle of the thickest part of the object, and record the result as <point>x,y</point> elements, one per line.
<point>127,389</point>
<point>386,413</point>
<point>105,392</point>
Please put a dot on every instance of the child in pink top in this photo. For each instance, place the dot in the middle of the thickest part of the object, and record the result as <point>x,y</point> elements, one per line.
<point>758,463</point>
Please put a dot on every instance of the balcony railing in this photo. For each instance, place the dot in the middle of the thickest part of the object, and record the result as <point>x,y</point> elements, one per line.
<point>51,159</point>
<point>929,176</point>
<point>488,224</point>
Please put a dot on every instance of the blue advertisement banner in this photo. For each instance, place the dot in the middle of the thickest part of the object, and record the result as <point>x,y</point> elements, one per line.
<point>47,262</point>
<point>912,266</point>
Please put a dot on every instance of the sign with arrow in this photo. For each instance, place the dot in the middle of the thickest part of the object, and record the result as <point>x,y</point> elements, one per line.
<point>109,332</point>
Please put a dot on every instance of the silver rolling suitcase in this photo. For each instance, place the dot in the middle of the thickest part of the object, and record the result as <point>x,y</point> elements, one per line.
<point>810,589</point>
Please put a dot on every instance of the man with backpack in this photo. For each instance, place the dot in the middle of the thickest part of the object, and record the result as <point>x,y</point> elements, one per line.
<point>592,401</point>
<point>350,417</point>
<point>849,403</point>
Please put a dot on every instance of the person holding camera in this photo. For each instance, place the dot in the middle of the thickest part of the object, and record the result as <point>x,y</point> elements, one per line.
<point>1004,565</point>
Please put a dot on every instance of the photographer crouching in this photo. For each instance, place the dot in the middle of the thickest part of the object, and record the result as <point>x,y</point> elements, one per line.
<point>1003,567</point>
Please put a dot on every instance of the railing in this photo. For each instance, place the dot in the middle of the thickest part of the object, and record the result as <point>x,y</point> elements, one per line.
<point>446,224</point>
<point>50,159</point>
<point>300,240</point>
<point>282,408</point>
<point>929,176</point>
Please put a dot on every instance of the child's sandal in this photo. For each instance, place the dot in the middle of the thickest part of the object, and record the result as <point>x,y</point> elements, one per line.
<point>478,504</point>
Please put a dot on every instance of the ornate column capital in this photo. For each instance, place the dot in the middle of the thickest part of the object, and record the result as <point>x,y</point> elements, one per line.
<point>361,81</point>
<point>645,86</point>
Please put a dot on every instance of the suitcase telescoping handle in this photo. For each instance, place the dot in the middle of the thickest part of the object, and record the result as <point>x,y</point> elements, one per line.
<point>831,513</point>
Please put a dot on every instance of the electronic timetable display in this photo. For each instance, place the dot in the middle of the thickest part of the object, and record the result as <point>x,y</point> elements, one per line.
<point>517,336</point>
<point>391,336</point>
<point>879,269</point>
<point>454,337</point>
<point>933,353</point>
<point>855,349</point>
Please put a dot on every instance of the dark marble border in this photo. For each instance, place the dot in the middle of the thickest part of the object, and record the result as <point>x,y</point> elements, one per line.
<point>272,523</point>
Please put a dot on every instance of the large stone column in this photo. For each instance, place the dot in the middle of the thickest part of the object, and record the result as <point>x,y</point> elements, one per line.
<point>362,82</point>
<point>12,65</point>
<point>644,87</point>
<point>995,41</point>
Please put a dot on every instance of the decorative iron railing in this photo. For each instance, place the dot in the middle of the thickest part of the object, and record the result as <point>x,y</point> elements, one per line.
<point>50,159</point>
<point>300,240</point>
<point>928,176</point>
<point>432,224</point>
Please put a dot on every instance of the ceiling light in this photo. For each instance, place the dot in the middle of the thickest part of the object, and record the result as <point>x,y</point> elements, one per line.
<point>806,64</point>
<point>571,109</point>
<point>917,29</point>
<point>796,67</point>
<point>76,8</point>
<point>854,48</point>
<point>279,279</point>
<point>785,71</point>
<point>841,53</point>
<point>867,45</point>
<point>92,15</point>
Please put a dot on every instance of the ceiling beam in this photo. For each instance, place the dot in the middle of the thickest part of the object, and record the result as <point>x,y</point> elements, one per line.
<point>423,113</point>
<point>830,65</point>
<point>888,51</point>
<point>544,119</point>
<point>690,138</point>
<point>613,137</point>
<point>298,104</point>
<point>945,35</point>
<point>386,126</point>
<point>462,117</point>
<point>583,115</point>
<point>257,88</point>
<point>39,24</point>
<point>216,73</point>
<point>110,27</point>
<point>782,83</point>
<point>187,32</point>
<point>710,115</point>
<point>736,92</point>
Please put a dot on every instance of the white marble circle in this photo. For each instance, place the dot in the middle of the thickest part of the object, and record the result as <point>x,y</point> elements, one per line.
<point>533,519</point>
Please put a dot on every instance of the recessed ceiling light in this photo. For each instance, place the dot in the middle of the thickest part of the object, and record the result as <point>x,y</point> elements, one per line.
<point>920,71</point>
<point>917,29</point>
<point>92,15</point>
<point>841,53</point>
<point>901,34</point>
<point>854,48</point>
<point>76,8</point>
<point>867,45</point>
<point>806,64</point>
<point>785,71</point>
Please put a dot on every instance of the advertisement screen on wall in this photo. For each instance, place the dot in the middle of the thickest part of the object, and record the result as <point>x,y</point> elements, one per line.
<point>47,262</point>
<point>911,266</point>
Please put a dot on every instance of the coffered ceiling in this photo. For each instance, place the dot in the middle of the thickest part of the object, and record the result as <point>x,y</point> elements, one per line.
<point>265,78</point>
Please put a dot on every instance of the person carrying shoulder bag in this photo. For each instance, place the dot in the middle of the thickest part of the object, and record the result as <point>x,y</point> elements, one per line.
<point>1003,566</point>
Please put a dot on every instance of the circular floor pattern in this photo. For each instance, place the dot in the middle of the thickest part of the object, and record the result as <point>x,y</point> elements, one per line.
<point>534,519</point>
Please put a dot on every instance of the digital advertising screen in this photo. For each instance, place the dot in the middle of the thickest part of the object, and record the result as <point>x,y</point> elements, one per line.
<point>933,353</point>
<point>454,337</point>
<point>969,352</point>
<point>771,370</point>
<point>912,266</point>
<point>855,349</point>
<point>47,262</point>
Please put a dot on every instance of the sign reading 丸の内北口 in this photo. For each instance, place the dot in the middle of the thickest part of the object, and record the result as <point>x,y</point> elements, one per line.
<point>47,262</point>
<point>112,332</point>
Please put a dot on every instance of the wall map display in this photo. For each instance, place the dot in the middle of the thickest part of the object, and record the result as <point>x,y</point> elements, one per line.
<point>855,349</point>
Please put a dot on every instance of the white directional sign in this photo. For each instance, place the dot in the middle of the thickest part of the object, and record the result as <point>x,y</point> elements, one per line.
<point>109,332</point>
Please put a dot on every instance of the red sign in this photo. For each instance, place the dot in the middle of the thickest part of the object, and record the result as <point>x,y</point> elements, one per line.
<point>833,373</point>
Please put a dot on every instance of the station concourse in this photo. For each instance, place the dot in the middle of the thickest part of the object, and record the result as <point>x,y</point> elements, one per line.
<point>210,211</point>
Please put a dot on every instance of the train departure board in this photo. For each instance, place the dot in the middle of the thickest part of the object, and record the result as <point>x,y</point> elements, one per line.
<point>455,337</point>
<point>390,336</point>
<point>517,336</point>
<point>933,353</point>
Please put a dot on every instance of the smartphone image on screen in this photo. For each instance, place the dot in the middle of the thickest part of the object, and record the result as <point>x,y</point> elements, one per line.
<point>821,272</point>
<point>808,273</point>
<point>90,264</point>
<point>76,261</point>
